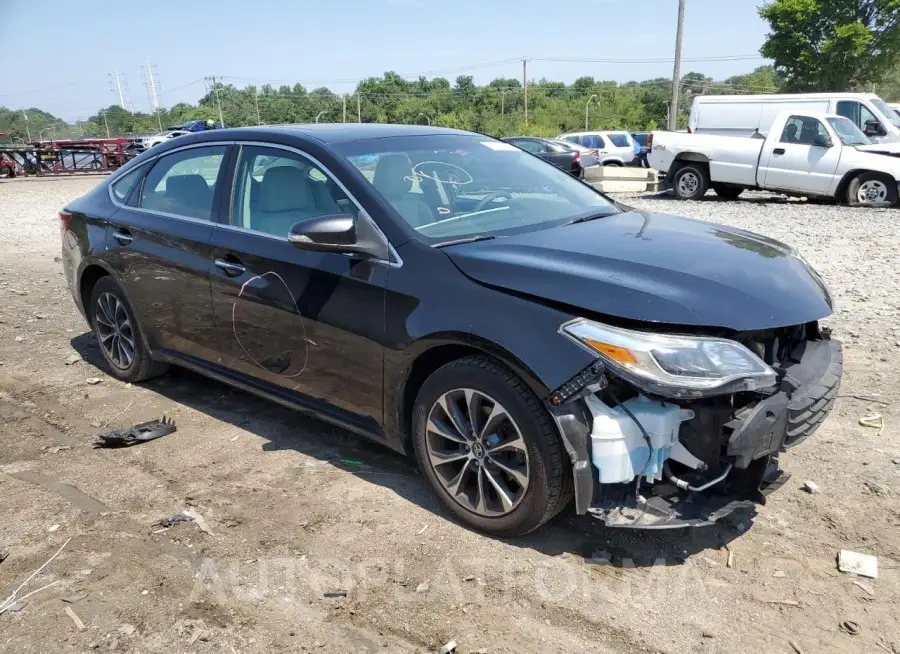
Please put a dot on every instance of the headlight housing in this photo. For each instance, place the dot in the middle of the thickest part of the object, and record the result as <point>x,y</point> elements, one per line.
<point>673,366</point>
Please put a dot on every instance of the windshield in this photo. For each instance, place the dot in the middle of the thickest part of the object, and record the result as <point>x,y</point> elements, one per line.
<point>889,113</point>
<point>849,133</point>
<point>458,186</point>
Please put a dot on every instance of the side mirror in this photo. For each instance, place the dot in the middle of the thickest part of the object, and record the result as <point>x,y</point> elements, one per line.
<point>340,233</point>
<point>874,128</point>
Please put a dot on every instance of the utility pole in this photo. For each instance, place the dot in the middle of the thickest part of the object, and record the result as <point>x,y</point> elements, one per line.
<point>502,103</point>
<point>676,74</point>
<point>27,128</point>
<point>212,80</point>
<point>358,107</point>
<point>587,106</point>
<point>152,92</point>
<point>344,106</point>
<point>258,119</point>
<point>525,84</point>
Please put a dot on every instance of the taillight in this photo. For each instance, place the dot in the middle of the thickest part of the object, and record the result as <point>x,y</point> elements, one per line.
<point>650,142</point>
<point>64,218</point>
<point>689,130</point>
<point>577,156</point>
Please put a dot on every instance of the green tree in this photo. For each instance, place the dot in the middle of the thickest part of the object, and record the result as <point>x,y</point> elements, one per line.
<point>831,45</point>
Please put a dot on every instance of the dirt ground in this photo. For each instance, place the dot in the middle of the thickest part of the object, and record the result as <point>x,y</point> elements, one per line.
<point>297,509</point>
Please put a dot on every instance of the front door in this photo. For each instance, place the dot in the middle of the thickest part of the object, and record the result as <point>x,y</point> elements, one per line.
<point>159,241</point>
<point>804,159</point>
<point>311,323</point>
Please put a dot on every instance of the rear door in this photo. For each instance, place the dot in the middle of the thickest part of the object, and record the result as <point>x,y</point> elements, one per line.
<point>159,241</point>
<point>802,159</point>
<point>308,323</point>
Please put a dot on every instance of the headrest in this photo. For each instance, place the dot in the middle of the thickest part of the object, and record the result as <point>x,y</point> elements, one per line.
<point>285,188</point>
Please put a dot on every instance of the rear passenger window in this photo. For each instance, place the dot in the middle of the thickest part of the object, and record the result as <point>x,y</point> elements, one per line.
<point>276,189</point>
<point>574,139</point>
<point>533,147</point>
<point>123,186</point>
<point>183,183</point>
<point>594,141</point>
<point>619,140</point>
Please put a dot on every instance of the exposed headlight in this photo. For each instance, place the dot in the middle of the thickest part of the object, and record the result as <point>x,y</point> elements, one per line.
<point>673,366</point>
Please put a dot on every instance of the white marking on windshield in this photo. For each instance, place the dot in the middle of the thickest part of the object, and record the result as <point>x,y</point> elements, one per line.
<point>464,215</point>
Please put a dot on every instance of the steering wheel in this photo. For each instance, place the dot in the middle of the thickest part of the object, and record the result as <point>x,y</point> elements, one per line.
<point>496,195</point>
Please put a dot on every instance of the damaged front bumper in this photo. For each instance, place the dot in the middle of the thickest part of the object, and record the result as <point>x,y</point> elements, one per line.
<point>745,441</point>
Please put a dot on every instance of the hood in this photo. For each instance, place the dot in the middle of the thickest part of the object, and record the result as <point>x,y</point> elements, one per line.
<point>655,268</point>
<point>890,149</point>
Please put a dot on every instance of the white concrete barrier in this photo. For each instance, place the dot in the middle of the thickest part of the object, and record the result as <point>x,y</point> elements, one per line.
<point>622,179</point>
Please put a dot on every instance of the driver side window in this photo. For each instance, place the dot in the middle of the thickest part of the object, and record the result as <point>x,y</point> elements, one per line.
<point>275,189</point>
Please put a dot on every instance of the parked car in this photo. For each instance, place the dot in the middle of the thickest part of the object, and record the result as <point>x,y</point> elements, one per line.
<point>589,156</point>
<point>8,166</point>
<point>560,156</point>
<point>470,305</point>
<point>744,115</point>
<point>808,154</point>
<point>196,126</point>
<point>640,140</point>
<point>614,148</point>
<point>162,137</point>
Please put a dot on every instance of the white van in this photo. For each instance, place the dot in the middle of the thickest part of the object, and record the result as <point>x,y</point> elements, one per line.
<point>746,115</point>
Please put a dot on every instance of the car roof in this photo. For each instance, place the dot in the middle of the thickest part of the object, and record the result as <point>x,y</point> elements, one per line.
<point>337,132</point>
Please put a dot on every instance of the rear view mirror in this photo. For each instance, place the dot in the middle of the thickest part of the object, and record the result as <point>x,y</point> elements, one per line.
<point>874,128</point>
<point>340,233</point>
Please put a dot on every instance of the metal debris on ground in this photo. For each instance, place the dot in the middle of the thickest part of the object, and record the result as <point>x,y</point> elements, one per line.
<point>335,593</point>
<point>448,647</point>
<point>865,565</point>
<point>811,487</point>
<point>78,623</point>
<point>141,433</point>
<point>874,420</point>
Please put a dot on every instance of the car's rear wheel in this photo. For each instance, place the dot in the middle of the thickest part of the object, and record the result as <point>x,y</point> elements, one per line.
<point>118,334</point>
<point>488,448</point>
<point>690,182</point>
<point>872,189</point>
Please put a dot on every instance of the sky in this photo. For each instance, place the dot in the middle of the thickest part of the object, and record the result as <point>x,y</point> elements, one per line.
<point>61,54</point>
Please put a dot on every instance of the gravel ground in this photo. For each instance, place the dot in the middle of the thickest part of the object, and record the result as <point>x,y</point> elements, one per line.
<point>297,509</point>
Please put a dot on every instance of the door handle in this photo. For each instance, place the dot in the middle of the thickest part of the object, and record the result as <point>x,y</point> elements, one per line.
<point>231,269</point>
<point>123,237</point>
<point>778,151</point>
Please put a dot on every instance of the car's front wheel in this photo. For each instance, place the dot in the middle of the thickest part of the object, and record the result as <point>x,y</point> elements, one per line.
<point>489,448</point>
<point>118,334</point>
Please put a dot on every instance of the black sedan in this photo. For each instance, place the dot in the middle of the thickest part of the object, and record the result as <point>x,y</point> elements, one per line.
<point>448,295</point>
<point>563,157</point>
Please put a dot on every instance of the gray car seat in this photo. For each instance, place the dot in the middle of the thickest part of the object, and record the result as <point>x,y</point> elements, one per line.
<point>189,195</point>
<point>393,179</point>
<point>285,198</point>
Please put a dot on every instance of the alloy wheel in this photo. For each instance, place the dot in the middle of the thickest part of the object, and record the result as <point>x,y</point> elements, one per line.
<point>872,191</point>
<point>477,452</point>
<point>114,330</point>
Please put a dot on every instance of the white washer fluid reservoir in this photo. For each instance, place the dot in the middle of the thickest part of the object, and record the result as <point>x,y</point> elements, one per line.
<point>619,450</point>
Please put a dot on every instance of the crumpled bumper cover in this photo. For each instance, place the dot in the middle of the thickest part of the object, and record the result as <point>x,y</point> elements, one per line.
<point>810,380</point>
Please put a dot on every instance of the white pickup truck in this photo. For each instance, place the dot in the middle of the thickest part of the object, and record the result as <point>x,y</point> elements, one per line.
<point>804,154</point>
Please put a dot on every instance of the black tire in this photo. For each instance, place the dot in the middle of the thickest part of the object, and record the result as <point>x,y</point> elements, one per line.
<point>727,191</point>
<point>6,171</point>
<point>142,366</point>
<point>887,185</point>
<point>690,181</point>
<point>549,486</point>
<point>613,163</point>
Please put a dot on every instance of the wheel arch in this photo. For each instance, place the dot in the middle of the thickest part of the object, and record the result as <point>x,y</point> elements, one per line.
<point>439,350</point>
<point>841,190</point>
<point>92,272</point>
<point>694,157</point>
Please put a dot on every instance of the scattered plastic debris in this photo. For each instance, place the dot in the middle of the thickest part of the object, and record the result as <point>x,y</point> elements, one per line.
<point>127,629</point>
<point>874,420</point>
<point>56,448</point>
<point>811,487</point>
<point>201,522</point>
<point>866,587</point>
<point>850,627</point>
<point>422,530</point>
<point>93,381</point>
<point>75,597</point>
<point>15,608</point>
<point>423,587</point>
<point>52,528</point>
<point>448,647</point>
<point>78,623</point>
<point>865,565</point>
<point>75,358</point>
<point>172,520</point>
<point>779,574</point>
<point>783,602</point>
<point>796,647</point>
<point>4,554</point>
<point>145,431</point>
<point>352,462</point>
